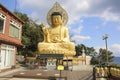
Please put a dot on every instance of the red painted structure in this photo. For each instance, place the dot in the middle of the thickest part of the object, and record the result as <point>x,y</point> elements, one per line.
<point>6,40</point>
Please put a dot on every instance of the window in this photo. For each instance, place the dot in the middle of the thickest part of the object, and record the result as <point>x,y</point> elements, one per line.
<point>0,57</point>
<point>14,30</point>
<point>52,63</point>
<point>1,25</point>
<point>2,20</point>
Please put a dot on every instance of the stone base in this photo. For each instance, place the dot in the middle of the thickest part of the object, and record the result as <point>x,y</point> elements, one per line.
<point>82,67</point>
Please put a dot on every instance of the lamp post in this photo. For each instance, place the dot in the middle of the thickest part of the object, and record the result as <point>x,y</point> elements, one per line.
<point>99,59</point>
<point>105,38</point>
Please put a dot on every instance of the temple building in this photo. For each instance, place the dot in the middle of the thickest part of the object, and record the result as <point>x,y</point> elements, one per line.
<point>82,62</point>
<point>10,37</point>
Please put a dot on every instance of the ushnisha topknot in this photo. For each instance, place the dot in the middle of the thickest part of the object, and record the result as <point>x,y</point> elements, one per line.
<point>56,13</point>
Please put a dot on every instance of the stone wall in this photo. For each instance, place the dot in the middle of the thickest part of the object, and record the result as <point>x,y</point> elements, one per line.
<point>82,67</point>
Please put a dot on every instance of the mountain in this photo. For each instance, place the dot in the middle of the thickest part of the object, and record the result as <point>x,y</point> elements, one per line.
<point>116,60</point>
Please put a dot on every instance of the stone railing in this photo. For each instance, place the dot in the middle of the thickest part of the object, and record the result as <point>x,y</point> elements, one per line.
<point>106,72</point>
<point>115,72</point>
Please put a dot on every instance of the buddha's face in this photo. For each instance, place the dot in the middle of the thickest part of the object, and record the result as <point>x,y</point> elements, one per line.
<point>56,20</point>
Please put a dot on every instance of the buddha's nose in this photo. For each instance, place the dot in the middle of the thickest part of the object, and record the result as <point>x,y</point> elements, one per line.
<point>55,21</point>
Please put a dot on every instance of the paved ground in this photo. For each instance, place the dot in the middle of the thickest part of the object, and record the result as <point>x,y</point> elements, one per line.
<point>20,79</point>
<point>36,74</point>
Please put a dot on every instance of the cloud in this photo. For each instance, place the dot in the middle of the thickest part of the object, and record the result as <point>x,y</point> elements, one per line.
<point>96,27</point>
<point>36,9</point>
<point>116,48</point>
<point>118,28</point>
<point>109,16</point>
<point>80,38</point>
<point>107,9</point>
<point>79,29</point>
<point>75,32</point>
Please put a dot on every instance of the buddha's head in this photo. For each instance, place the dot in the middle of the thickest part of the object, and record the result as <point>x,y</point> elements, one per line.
<point>56,19</point>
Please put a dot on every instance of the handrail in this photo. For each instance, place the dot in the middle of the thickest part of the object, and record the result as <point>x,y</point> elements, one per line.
<point>107,72</point>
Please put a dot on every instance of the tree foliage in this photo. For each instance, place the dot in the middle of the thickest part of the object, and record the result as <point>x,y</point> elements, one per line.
<point>101,59</point>
<point>88,50</point>
<point>78,49</point>
<point>31,35</point>
<point>103,54</point>
<point>94,60</point>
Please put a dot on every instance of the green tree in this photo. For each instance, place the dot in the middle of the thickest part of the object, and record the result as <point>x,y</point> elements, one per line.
<point>91,51</point>
<point>103,56</point>
<point>94,60</point>
<point>78,49</point>
<point>31,35</point>
<point>101,59</point>
<point>88,50</point>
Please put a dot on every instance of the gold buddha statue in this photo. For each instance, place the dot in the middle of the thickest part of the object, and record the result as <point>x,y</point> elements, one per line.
<point>56,37</point>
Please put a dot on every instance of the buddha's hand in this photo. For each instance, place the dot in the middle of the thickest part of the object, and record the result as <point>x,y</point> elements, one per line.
<point>57,40</point>
<point>45,30</point>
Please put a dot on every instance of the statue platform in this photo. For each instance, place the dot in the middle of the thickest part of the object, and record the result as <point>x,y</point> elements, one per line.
<point>68,49</point>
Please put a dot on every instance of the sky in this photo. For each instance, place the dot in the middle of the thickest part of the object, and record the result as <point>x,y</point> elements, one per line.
<point>89,20</point>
